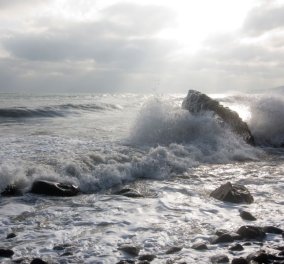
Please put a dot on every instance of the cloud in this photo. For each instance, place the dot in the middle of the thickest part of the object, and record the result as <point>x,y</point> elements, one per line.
<point>264,18</point>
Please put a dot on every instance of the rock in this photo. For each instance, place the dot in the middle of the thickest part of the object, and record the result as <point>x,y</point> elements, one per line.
<point>236,247</point>
<point>65,254</point>
<point>247,216</point>
<point>272,230</point>
<point>38,261</point>
<point>131,250</point>
<point>199,246</point>
<point>126,261</point>
<point>251,232</point>
<point>131,193</point>
<point>54,188</point>
<point>219,259</point>
<point>148,257</point>
<point>143,262</point>
<point>61,247</point>
<point>11,235</point>
<point>197,102</point>
<point>6,253</point>
<point>239,261</point>
<point>224,238</point>
<point>173,250</point>
<point>258,257</point>
<point>232,193</point>
<point>11,190</point>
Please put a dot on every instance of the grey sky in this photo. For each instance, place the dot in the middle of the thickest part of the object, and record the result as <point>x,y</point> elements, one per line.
<point>140,46</point>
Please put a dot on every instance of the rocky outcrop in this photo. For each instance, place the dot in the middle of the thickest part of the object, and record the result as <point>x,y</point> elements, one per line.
<point>54,188</point>
<point>234,193</point>
<point>196,102</point>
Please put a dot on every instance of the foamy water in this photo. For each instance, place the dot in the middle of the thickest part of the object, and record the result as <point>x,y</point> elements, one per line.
<point>105,142</point>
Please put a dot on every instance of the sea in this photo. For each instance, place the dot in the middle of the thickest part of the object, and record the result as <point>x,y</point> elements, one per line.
<point>147,142</point>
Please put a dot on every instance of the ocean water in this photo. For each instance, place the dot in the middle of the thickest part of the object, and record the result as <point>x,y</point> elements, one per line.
<point>105,142</point>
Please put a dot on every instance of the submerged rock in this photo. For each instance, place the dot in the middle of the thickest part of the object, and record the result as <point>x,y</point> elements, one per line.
<point>239,261</point>
<point>11,190</point>
<point>38,261</point>
<point>247,216</point>
<point>237,247</point>
<point>147,257</point>
<point>173,250</point>
<point>54,188</point>
<point>232,193</point>
<point>224,238</point>
<point>196,102</point>
<point>199,246</point>
<point>273,230</point>
<point>11,235</point>
<point>129,249</point>
<point>251,232</point>
<point>220,259</point>
<point>6,253</point>
<point>128,192</point>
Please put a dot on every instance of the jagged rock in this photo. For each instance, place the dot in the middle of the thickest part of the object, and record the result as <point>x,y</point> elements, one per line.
<point>239,261</point>
<point>272,230</point>
<point>224,238</point>
<point>54,188</point>
<point>196,102</point>
<point>199,246</point>
<point>219,259</point>
<point>247,216</point>
<point>251,232</point>
<point>236,247</point>
<point>61,246</point>
<point>11,190</point>
<point>148,257</point>
<point>6,253</point>
<point>131,250</point>
<point>128,192</point>
<point>233,193</point>
<point>173,250</point>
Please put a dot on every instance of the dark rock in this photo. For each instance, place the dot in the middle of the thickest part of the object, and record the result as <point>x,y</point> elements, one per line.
<point>259,257</point>
<point>197,102</point>
<point>143,262</point>
<point>247,244</point>
<point>54,188</point>
<point>65,254</point>
<point>11,235</point>
<point>272,230</point>
<point>221,232</point>
<point>239,261</point>
<point>199,246</point>
<point>129,193</point>
<point>38,261</point>
<point>6,253</point>
<point>251,232</point>
<point>173,250</point>
<point>131,250</point>
<point>148,257</point>
<point>11,190</point>
<point>126,261</point>
<point>247,216</point>
<point>225,238</point>
<point>236,247</point>
<point>232,193</point>
<point>61,246</point>
<point>220,259</point>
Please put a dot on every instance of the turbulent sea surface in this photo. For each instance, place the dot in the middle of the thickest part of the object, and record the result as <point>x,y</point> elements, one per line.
<point>103,143</point>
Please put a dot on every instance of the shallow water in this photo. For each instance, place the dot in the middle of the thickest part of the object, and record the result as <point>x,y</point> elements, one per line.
<point>171,157</point>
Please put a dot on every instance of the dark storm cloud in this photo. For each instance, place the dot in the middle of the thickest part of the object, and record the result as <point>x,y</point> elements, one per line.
<point>263,19</point>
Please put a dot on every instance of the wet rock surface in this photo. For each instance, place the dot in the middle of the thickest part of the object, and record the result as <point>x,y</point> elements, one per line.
<point>251,232</point>
<point>6,253</point>
<point>247,216</point>
<point>233,193</point>
<point>54,188</point>
<point>130,249</point>
<point>11,190</point>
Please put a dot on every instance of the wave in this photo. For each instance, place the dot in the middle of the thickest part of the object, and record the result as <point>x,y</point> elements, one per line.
<point>53,111</point>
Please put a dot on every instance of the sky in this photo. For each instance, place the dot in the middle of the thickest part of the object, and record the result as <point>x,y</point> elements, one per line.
<point>155,46</point>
